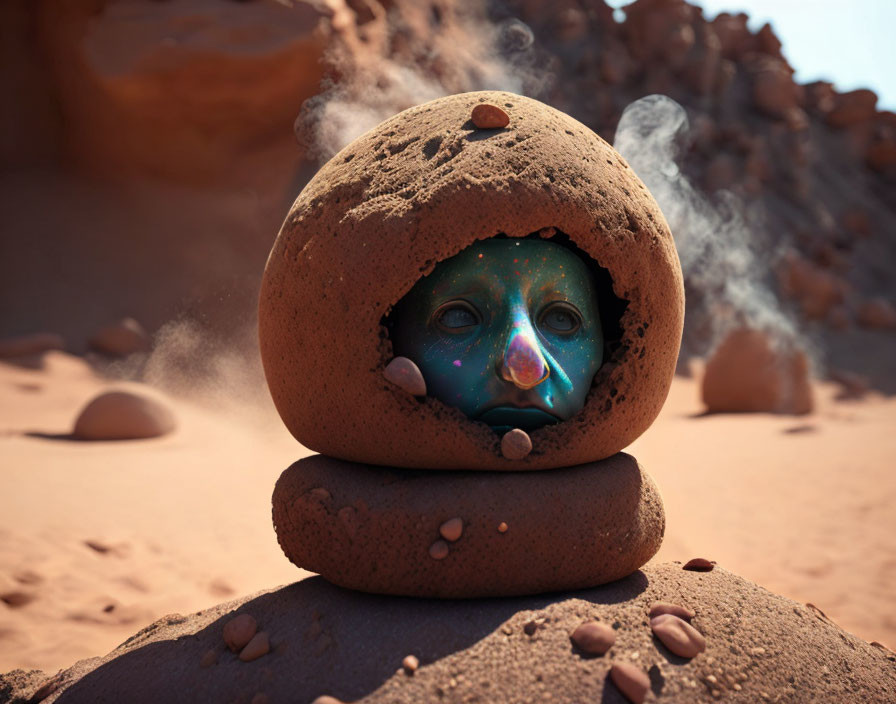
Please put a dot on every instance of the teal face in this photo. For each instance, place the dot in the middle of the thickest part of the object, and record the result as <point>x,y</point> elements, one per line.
<point>508,331</point>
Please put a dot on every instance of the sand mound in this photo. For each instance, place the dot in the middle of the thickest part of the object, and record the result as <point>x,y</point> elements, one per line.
<point>326,640</point>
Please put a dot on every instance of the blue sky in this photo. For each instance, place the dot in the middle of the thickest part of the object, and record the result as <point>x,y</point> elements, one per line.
<point>849,42</point>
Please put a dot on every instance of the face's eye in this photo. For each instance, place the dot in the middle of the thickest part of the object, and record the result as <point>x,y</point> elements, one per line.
<point>456,317</point>
<point>561,319</point>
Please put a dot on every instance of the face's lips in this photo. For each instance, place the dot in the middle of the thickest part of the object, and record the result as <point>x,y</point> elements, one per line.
<point>525,418</point>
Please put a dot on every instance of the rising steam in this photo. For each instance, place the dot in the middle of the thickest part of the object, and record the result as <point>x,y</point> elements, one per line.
<point>718,247</point>
<point>473,55</point>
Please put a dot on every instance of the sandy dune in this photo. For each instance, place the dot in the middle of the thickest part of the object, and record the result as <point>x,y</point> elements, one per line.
<point>99,539</point>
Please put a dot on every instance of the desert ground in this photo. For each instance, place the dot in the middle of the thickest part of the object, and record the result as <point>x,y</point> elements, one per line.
<point>99,539</point>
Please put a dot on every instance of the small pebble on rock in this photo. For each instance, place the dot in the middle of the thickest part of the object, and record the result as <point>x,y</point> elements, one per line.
<point>530,627</point>
<point>593,638</point>
<point>410,664</point>
<point>451,529</point>
<point>489,117</point>
<point>438,550</point>
<point>699,564</point>
<point>631,680</point>
<point>502,527</point>
<point>239,631</point>
<point>516,444</point>
<point>664,607</point>
<point>678,636</point>
<point>406,375</point>
<point>255,648</point>
<point>209,658</point>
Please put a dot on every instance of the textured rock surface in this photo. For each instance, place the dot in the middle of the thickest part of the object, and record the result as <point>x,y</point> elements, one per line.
<point>749,371</point>
<point>416,190</point>
<point>125,414</point>
<point>142,85</point>
<point>374,528</point>
<point>330,641</point>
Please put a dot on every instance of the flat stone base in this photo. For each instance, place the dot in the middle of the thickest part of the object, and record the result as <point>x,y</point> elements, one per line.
<point>376,529</point>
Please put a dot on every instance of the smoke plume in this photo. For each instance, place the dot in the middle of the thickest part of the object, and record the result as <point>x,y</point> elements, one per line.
<point>726,266</point>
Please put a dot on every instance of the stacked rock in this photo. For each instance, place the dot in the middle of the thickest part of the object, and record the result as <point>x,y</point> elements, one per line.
<point>515,484</point>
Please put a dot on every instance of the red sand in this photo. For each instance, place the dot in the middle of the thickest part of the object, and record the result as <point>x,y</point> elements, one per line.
<point>800,505</point>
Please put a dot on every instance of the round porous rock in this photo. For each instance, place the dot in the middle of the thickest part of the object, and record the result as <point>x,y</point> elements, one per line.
<point>414,191</point>
<point>573,527</point>
<point>123,415</point>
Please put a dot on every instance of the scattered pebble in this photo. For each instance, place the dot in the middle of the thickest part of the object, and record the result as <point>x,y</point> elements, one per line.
<point>122,338</point>
<point>502,527</point>
<point>664,607</point>
<point>678,636</point>
<point>209,658</point>
<point>239,631</point>
<point>255,648</point>
<point>489,117</point>
<point>516,444</point>
<point>630,680</point>
<point>327,699</point>
<point>410,664</point>
<point>26,345</point>
<point>593,638</point>
<point>438,550</point>
<point>16,599</point>
<point>699,564</point>
<point>451,529</point>
<point>406,375</point>
<point>46,689</point>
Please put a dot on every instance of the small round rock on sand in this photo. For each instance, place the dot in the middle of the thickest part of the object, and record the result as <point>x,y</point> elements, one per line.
<point>239,631</point>
<point>126,414</point>
<point>255,648</point>
<point>593,637</point>
<point>120,339</point>
<point>751,371</point>
<point>410,664</point>
<point>678,635</point>
<point>658,608</point>
<point>27,345</point>
<point>631,680</point>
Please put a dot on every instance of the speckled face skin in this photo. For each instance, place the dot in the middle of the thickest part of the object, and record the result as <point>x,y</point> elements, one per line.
<point>508,331</point>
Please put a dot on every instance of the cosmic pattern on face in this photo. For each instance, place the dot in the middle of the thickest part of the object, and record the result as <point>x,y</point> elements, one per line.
<point>508,331</point>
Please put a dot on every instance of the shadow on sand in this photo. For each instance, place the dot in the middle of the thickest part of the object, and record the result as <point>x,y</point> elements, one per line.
<point>324,640</point>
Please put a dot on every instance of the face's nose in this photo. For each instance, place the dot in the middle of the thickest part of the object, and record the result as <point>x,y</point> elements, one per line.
<point>522,362</point>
